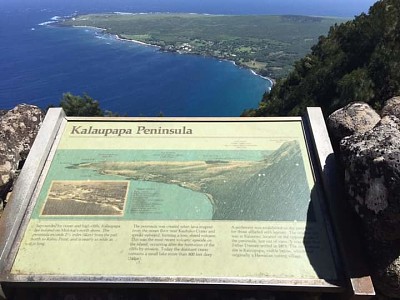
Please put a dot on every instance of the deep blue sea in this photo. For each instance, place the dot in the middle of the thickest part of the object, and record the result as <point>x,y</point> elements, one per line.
<point>38,63</point>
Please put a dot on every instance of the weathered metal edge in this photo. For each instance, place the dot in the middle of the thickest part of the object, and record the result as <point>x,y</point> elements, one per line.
<point>322,203</point>
<point>301,285</point>
<point>347,236</point>
<point>185,119</point>
<point>23,189</point>
<point>249,283</point>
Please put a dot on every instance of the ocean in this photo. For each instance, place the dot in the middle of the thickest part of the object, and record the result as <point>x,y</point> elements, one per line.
<point>38,63</point>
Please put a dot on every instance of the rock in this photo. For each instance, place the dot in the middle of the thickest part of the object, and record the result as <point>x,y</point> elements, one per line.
<point>372,176</point>
<point>372,182</point>
<point>18,129</point>
<point>392,107</point>
<point>385,265</point>
<point>356,117</point>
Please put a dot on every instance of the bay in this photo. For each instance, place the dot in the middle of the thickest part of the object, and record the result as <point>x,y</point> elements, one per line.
<point>145,200</point>
<point>41,62</point>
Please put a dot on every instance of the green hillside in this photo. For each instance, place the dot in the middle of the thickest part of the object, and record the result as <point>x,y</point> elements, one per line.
<point>267,44</point>
<point>358,61</point>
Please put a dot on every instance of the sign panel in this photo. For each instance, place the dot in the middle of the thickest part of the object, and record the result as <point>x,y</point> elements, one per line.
<point>178,199</point>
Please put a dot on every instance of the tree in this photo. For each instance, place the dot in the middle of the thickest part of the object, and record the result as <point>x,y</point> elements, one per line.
<point>80,106</point>
<point>357,61</point>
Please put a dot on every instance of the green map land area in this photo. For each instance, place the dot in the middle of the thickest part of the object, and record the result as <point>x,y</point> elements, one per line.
<point>228,189</point>
<point>269,45</point>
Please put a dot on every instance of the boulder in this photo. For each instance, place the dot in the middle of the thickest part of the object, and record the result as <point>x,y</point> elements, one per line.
<point>372,176</point>
<point>392,107</point>
<point>18,129</point>
<point>385,263</point>
<point>356,117</point>
<point>371,161</point>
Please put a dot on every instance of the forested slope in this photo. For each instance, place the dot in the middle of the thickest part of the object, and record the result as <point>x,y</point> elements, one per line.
<point>357,61</point>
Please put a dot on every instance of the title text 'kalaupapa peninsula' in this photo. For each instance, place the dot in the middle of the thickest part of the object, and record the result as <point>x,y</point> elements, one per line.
<point>140,130</point>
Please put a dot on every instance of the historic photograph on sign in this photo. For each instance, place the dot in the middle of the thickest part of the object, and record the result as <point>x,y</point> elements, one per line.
<point>86,198</point>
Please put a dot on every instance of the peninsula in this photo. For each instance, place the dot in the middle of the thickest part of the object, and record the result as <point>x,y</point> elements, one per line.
<point>269,45</point>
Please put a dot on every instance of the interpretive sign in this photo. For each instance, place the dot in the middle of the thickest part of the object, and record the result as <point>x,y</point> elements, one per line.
<point>205,201</point>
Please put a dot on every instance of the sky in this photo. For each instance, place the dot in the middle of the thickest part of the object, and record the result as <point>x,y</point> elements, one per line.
<point>342,8</point>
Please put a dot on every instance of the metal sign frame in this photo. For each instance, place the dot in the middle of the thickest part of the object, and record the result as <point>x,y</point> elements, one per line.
<point>353,282</point>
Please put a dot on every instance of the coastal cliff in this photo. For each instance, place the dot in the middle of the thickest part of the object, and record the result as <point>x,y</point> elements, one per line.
<point>356,61</point>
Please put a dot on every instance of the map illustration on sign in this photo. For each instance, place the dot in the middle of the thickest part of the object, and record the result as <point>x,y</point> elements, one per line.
<point>245,185</point>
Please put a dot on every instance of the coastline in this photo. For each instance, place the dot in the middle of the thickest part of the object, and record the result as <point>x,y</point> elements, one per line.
<point>271,80</point>
<point>90,27</point>
<point>121,38</point>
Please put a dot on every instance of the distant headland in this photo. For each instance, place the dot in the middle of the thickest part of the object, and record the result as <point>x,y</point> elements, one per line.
<point>268,45</point>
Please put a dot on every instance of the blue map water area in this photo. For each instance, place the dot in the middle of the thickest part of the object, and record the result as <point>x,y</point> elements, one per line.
<point>167,201</point>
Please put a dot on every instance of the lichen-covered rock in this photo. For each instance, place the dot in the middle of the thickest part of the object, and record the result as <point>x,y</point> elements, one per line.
<point>18,129</point>
<point>392,107</point>
<point>356,117</point>
<point>372,181</point>
<point>372,176</point>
